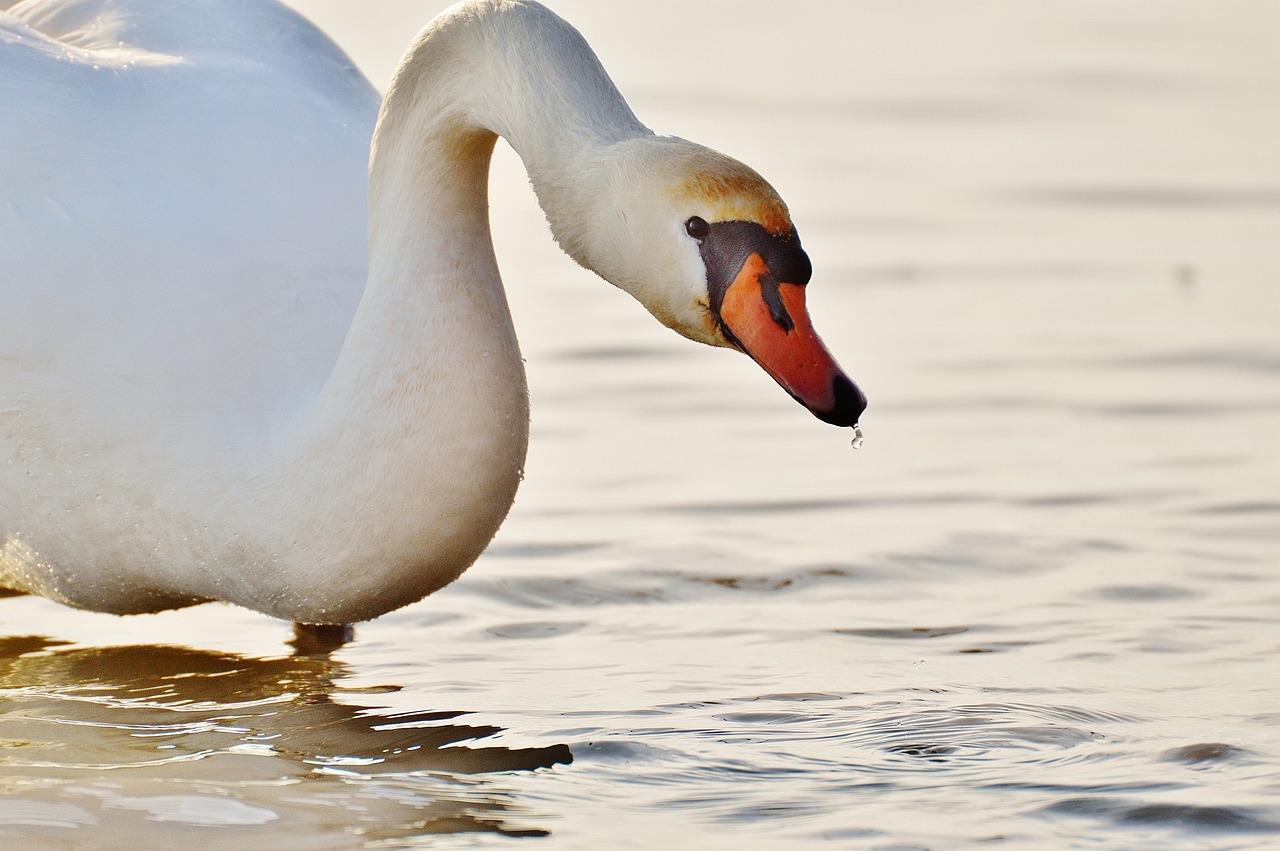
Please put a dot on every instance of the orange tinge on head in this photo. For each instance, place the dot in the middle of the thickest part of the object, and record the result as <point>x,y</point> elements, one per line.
<point>736,193</point>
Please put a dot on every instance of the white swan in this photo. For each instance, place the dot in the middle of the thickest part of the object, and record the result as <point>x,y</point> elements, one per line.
<point>205,394</point>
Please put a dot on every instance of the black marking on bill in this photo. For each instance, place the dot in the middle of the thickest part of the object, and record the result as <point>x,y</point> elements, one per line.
<point>728,245</point>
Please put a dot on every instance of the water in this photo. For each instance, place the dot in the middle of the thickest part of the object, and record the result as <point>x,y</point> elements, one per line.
<point>1038,610</point>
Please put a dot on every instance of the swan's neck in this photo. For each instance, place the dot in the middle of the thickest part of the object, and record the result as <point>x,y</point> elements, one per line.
<point>411,456</point>
<point>505,68</point>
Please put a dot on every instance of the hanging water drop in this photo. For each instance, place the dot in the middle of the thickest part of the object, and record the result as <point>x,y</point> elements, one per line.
<point>856,443</point>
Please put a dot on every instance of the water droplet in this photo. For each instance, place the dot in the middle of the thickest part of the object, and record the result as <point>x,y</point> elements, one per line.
<point>857,437</point>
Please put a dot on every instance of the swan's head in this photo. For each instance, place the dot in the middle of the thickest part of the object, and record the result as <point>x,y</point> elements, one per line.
<point>706,244</point>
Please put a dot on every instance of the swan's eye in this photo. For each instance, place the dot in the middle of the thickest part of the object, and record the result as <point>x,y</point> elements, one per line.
<point>697,228</point>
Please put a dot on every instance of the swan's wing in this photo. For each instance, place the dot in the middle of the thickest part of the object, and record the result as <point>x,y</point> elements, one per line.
<point>182,203</point>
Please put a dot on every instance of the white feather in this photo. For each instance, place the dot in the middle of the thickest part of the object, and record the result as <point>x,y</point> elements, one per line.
<point>205,390</point>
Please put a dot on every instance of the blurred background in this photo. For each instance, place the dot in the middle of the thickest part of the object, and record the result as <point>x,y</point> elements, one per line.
<point>1037,609</point>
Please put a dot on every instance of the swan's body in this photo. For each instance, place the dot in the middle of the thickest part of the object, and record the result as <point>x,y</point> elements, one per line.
<point>205,390</point>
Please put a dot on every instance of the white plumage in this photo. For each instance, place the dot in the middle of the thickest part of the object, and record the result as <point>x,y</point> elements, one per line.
<point>206,390</point>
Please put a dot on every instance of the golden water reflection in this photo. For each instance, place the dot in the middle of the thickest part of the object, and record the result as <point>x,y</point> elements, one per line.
<point>102,737</point>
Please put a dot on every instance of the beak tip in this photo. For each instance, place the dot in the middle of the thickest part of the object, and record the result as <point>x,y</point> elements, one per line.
<point>848,405</point>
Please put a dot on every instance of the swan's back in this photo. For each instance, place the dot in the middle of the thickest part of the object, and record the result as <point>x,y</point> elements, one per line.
<point>182,210</point>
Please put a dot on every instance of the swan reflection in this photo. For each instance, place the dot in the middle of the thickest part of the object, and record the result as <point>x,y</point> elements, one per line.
<point>102,737</point>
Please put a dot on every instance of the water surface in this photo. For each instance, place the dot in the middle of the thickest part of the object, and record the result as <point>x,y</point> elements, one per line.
<point>1038,609</point>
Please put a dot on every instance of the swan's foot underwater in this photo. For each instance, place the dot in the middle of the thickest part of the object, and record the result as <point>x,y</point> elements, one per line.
<point>320,639</point>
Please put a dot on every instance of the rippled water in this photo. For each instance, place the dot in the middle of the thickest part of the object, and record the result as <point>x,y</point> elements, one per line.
<point>1038,609</point>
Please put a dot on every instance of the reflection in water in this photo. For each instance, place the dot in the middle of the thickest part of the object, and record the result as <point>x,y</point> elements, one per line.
<point>320,639</point>
<point>103,736</point>
<point>1037,610</point>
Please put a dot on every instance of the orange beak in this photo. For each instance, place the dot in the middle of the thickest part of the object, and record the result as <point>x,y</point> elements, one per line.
<point>767,319</point>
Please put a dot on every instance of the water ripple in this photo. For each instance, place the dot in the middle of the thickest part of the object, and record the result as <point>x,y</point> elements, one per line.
<point>1123,811</point>
<point>247,732</point>
<point>631,587</point>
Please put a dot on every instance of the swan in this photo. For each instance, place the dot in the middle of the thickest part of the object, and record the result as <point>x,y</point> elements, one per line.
<point>249,355</point>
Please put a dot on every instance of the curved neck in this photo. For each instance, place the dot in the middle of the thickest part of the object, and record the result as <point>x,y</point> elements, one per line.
<point>502,67</point>
<point>413,451</point>
<point>481,70</point>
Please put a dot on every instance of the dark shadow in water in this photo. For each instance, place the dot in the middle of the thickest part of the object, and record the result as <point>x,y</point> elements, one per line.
<point>905,632</point>
<point>310,639</point>
<point>141,717</point>
<point>616,353</point>
<point>1203,753</point>
<point>1131,813</point>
